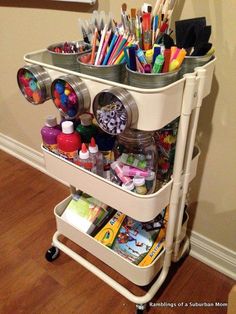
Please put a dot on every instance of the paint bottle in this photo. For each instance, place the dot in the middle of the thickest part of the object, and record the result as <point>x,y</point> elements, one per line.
<point>86,128</point>
<point>97,158</point>
<point>68,142</point>
<point>49,133</point>
<point>84,160</point>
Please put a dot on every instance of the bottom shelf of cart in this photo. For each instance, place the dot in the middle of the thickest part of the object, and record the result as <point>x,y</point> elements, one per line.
<point>138,275</point>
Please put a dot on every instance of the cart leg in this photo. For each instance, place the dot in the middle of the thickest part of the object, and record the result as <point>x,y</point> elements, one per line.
<point>140,308</point>
<point>52,254</point>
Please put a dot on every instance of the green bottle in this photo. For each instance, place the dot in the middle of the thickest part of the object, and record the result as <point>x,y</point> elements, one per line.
<point>86,128</point>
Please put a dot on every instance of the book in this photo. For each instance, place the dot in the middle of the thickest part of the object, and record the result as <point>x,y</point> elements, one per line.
<point>86,213</point>
<point>138,242</point>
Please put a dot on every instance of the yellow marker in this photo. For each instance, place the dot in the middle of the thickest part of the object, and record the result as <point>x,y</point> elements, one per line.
<point>181,56</point>
<point>174,65</point>
<point>149,56</point>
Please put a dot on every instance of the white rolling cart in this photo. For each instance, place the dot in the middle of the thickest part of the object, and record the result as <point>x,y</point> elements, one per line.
<point>156,108</point>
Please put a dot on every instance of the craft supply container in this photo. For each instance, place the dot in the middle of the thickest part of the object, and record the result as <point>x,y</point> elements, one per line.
<point>191,62</point>
<point>115,72</point>
<point>151,80</point>
<point>71,107</point>
<point>67,60</point>
<point>34,83</point>
<point>115,110</point>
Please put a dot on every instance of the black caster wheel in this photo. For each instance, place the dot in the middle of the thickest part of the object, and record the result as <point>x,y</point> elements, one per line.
<point>52,254</point>
<point>140,308</point>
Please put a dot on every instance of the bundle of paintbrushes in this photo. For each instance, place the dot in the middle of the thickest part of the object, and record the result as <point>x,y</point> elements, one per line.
<point>148,24</point>
<point>156,60</point>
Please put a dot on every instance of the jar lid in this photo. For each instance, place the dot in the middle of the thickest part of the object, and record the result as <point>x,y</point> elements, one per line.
<point>128,186</point>
<point>51,121</point>
<point>86,119</point>
<point>139,181</point>
<point>133,135</point>
<point>67,127</point>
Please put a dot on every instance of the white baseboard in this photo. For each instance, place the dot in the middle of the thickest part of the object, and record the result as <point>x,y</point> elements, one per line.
<point>213,254</point>
<point>202,248</point>
<point>25,153</point>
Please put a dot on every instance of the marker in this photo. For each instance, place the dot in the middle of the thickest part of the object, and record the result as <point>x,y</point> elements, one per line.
<point>158,64</point>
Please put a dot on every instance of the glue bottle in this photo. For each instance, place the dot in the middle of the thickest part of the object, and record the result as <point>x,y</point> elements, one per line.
<point>69,142</point>
<point>97,158</point>
<point>49,133</point>
<point>84,160</point>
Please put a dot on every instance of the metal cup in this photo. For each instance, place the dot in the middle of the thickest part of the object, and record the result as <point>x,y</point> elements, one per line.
<point>191,62</point>
<point>151,80</point>
<point>67,60</point>
<point>114,72</point>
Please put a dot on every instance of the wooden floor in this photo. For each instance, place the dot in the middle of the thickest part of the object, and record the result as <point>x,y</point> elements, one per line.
<point>29,284</point>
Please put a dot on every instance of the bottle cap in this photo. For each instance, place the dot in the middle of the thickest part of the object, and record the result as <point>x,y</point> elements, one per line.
<point>128,186</point>
<point>84,153</point>
<point>51,121</point>
<point>93,148</point>
<point>67,127</point>
<point>139,181</point>
<point>86,119</point>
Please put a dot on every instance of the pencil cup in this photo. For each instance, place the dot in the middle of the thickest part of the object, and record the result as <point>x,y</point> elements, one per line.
<point>115,73</point>
<point>68,60</point>
<point>115,110</point>
<point>191,62</point>
<point>151,80</point>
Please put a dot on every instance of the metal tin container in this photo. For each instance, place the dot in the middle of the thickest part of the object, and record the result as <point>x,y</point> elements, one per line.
<point>68,60</point>
<point>34,83</point>
<point>151,80</point>
<point>191,62</point>
<point>115,72</point>
<point>70,95</point>
<point>115,110</point>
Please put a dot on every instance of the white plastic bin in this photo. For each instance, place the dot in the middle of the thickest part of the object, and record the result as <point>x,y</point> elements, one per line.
<point>138,275</point>
<point>140,207</point>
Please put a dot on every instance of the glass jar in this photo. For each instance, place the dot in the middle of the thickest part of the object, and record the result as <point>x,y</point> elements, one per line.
<point>137,153</point>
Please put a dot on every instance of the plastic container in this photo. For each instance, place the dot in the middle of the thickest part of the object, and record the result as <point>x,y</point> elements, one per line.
<point>139,184</point>
<point>34,83</point>
<point>166,143</point>
<point>151,80</point>
<point>70,95</point>
<point>115,73</point>
<point>68,60</point>
<point>69,142</point>
<point>49,133</point>
<point>86,128</point>
<point>115,110</point>
<point>137,149</point>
